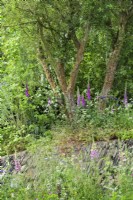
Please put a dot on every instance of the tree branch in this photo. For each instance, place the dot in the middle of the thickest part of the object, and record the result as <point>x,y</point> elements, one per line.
<point>45,68</point>
<point>75,40</point>
<point>61,76</point>
<point>79,57</point>
<point>20,24</point>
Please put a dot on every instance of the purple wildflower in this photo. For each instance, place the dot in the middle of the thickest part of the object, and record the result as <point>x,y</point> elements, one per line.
<point>83,101</point>
<point>27,91</point>
<point>125,98</point>
<point>88,93</point>
<point>1,171</point>
<point>17,165</point>
<point>94,154</point>
<point>49,102</point>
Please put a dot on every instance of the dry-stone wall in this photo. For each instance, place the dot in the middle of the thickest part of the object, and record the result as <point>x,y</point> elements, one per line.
<point>116,152</point>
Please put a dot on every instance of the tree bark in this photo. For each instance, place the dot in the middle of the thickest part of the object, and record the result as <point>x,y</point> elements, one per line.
<point>74,73</point>
<point>113,62</point>
<point>42,59</point>
<point>48,76</point>
<point>60,72</point>
<point>79,58</point>
<point>69,98</point>
<point>70,105</point>
<point>47,71</point>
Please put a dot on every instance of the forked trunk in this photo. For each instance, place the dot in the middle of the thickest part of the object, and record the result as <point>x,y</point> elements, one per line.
<point>67,88</point>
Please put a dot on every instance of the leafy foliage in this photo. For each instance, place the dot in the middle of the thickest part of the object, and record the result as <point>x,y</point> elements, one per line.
<point>58,28</point>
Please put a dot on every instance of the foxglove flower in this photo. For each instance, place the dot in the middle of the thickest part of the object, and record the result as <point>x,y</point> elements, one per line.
<point>88,93</point>
<point>94,154</point>
<point>125,98</point>
<point>27,91</point>
<point>83,101</point>
<point>17,165</point>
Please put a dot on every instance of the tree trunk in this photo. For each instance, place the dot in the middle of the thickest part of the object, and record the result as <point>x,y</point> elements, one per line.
<point>109,77</point>
<point>74,73</point>
<point>47,72</point>
<point>79,58</point>
<point>113,62</point>
<point>60,72</point>
<point>48,75</point>
<point>68,95</point>
<point>67,89</point>
<point>70,105</point>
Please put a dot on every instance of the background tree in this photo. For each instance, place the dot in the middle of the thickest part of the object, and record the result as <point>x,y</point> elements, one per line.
<point>59,33</point>
<point>70,42</point>
<point>121,13</point>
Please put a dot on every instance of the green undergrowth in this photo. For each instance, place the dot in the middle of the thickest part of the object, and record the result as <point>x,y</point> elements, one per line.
<point>87,125</point>
<point>61,134</point>
<point>54,177</point>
